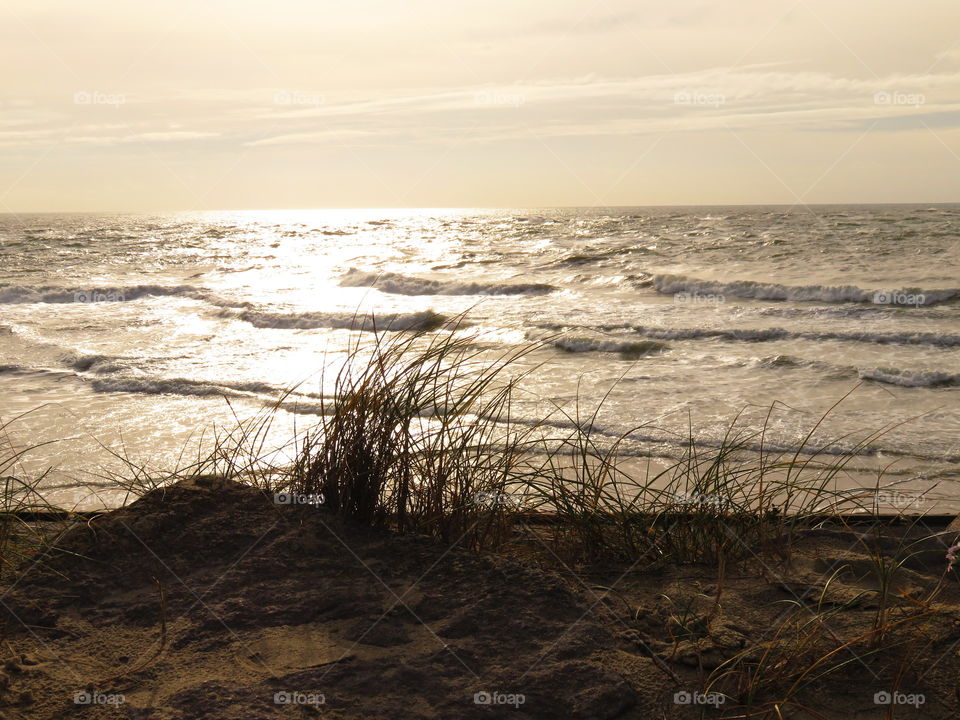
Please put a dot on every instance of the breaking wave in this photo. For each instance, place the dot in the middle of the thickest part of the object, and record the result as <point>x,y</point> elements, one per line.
<point>398,322</point>
<point>186,386</point>
<point>904,378</point>
<point>397,284</point>
<point>16,294</point>
<point>773,334</point>
<point>909,297</point>
<point>627,348</point>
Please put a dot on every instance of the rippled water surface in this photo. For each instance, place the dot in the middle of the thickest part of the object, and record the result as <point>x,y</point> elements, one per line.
<point>129,331</point>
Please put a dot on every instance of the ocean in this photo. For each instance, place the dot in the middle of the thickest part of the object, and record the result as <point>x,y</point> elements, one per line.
<point>131,336</point>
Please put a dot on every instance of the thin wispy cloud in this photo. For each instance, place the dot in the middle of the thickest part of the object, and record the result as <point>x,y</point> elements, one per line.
<point>747,98</point>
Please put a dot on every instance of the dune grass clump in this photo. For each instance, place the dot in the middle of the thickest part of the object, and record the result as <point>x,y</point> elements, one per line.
<point>417,435</point>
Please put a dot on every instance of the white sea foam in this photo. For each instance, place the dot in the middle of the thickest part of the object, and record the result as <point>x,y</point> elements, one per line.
<point>671,284</point>
<point>17,294</point>
<point>773,334</point>
<point>424,320</point>
<point>407,285</point>
<point>905,378</point>
<point>890,376</point>
<point>186,386</point>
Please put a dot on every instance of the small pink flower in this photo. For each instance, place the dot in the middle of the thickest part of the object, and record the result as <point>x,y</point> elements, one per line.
<point>952,553</point>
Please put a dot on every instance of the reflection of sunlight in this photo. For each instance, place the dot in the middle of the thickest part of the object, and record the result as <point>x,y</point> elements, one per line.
<point>493,335</point>
<point>305,365</point>
<point>186,324</point>
<point>294,258</point>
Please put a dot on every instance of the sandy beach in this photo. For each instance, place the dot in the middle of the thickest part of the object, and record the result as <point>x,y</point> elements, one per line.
<point>208,600</point>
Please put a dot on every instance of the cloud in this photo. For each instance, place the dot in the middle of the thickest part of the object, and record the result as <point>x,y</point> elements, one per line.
<point>759,96</point>
<point>146,137</point>
<point>171,136</point>
<point>338,137</point>
<point>950,55</point>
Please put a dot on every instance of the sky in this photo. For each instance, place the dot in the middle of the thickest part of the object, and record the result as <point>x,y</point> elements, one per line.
<point>128,105</point>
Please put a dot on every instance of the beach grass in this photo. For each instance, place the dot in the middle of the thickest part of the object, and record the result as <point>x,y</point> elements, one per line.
<point>418,433</point>
<point>22,496</point>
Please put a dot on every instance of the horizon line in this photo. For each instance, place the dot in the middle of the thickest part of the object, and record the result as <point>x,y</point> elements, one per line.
<point>473,207</point>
